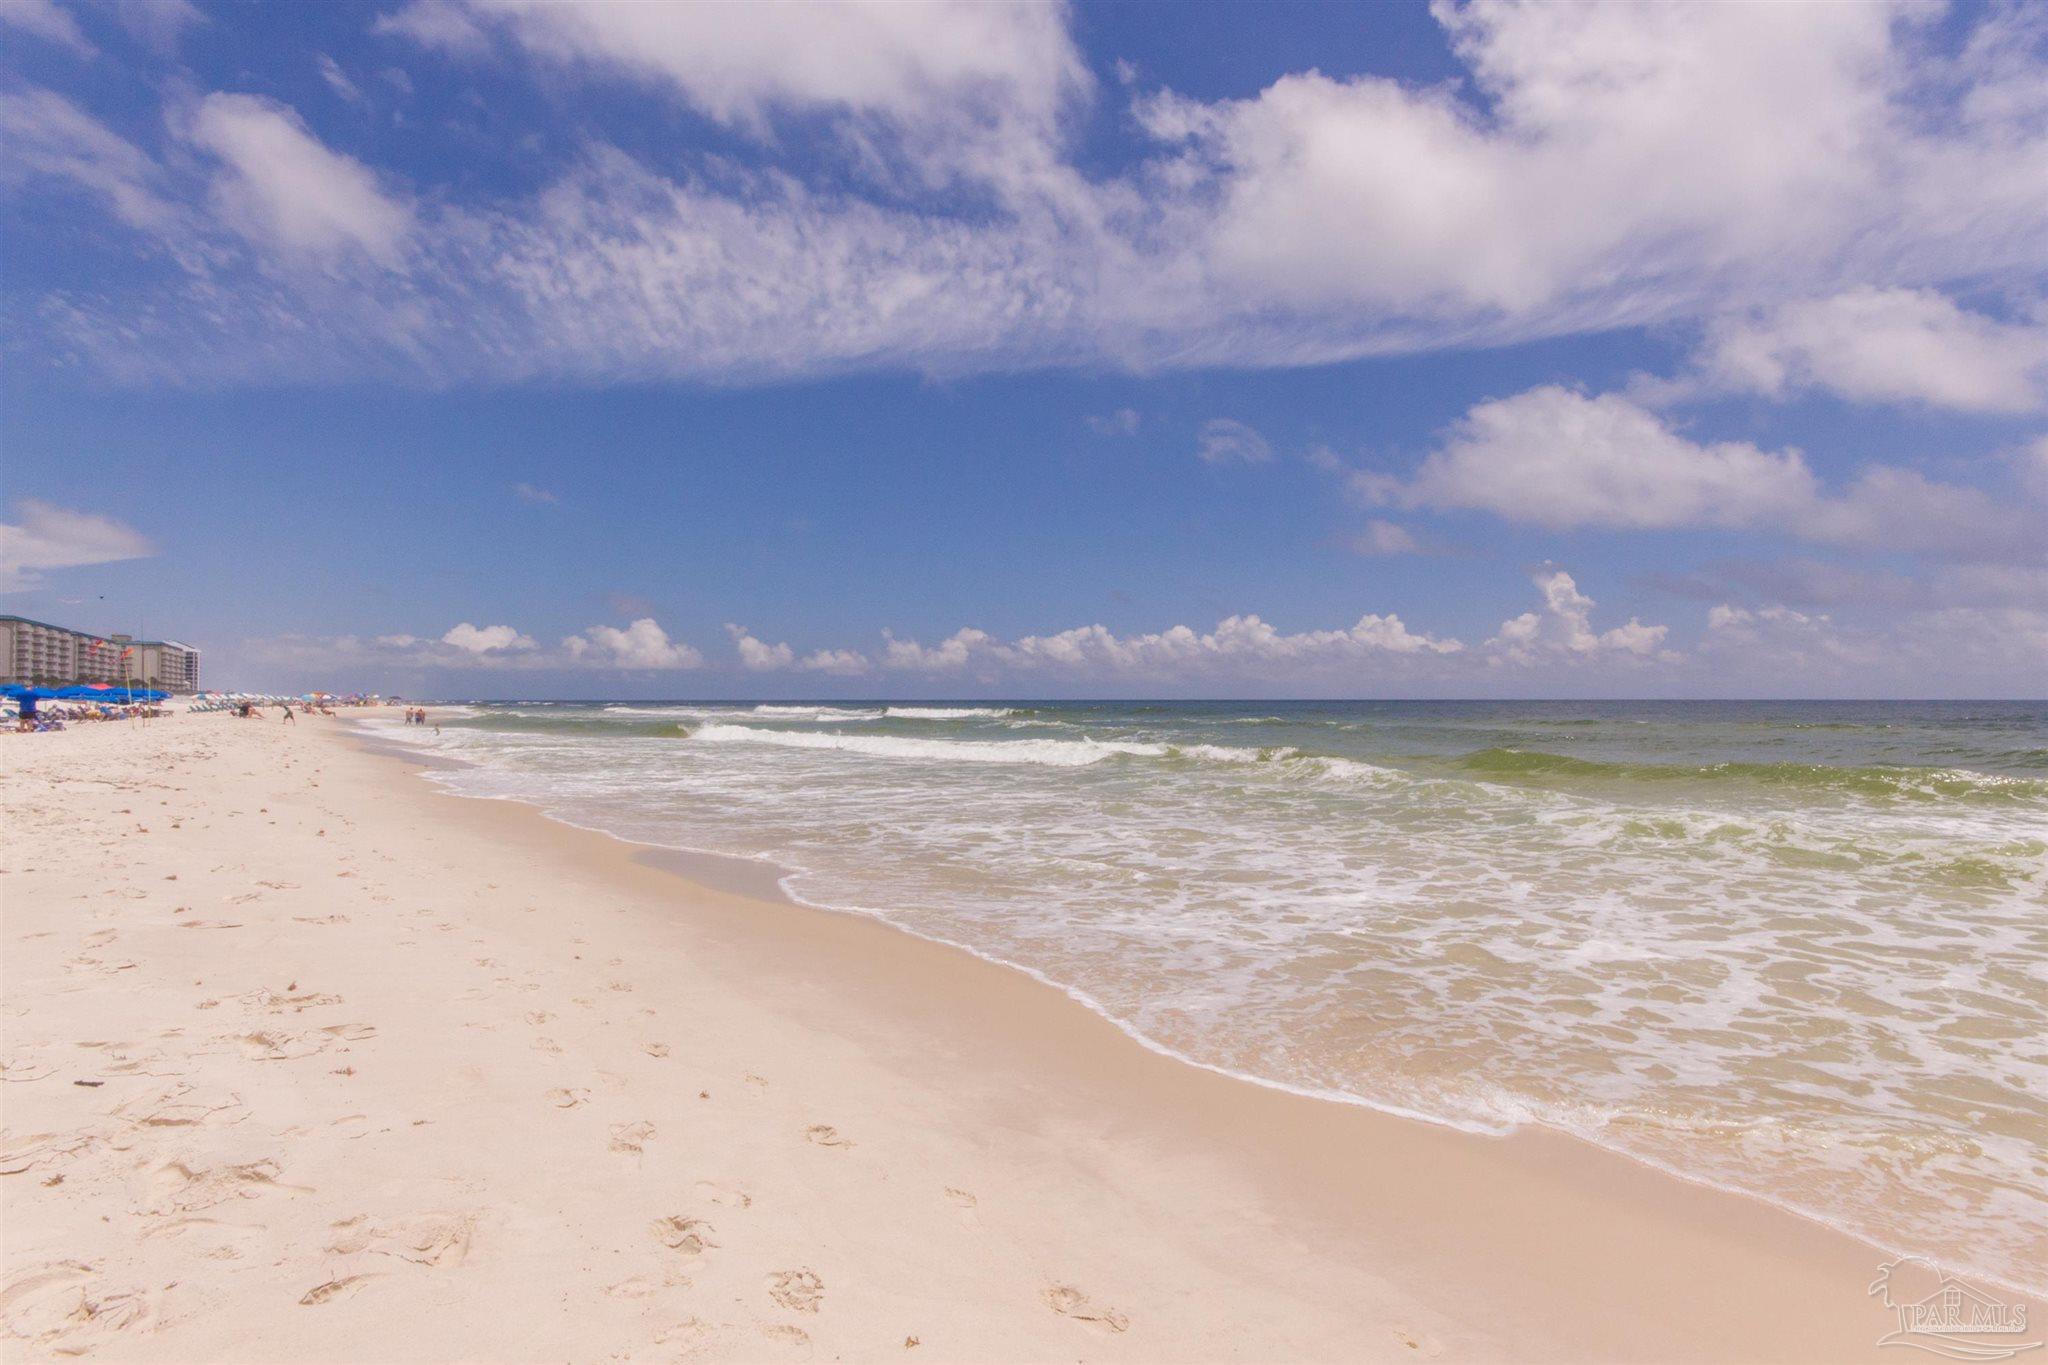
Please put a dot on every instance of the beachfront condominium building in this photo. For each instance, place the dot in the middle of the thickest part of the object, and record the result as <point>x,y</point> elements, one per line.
<point>39,654</point>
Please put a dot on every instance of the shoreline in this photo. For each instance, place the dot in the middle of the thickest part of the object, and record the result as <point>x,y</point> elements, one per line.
<point>763,880</point>
<point>700,870</point>
<point>1200,1215</point>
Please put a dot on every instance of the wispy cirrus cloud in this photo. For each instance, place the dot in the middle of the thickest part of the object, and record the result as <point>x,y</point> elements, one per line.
<point>44,538</point>
<point>45,20</point>
<point>1826,149</point>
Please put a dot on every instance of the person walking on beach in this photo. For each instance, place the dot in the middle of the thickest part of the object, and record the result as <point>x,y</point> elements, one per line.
<point>289,717</point>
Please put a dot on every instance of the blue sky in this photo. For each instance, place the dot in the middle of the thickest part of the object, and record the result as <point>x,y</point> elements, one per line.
<point>473,347</point>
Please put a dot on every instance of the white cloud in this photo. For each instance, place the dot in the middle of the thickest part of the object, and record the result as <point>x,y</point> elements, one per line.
<point>50,537</point>
<point>1882,345</point>
<point>157,24</point>
<point>1565,626</point>
<point>1634,156</point>
<point>48,135</point>
<point>1239,647</point>
<point>756,656</point>
<point>643,644</point>
<point>1385,538</point>
<point>1557,458</point>
<point>337,80</point>
<point>1727,617</point>
<point>442,25</point>
<point>285,190</point>
<point>486,639</point>
<point>534,496</point>
<point>740,62</point>
<point>845,663</point>
<point>43,19</point>
<point>1122,422</point>
<point>1225,441</point>
<point>1609,165</point>
<point>948,655</point>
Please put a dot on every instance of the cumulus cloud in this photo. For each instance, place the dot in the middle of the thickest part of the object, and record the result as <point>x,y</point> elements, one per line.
<point>1239,646</point>
<point>1225,441</point>
<point>1565,626</point>
<point>643,644</point>
<point>1882,345</point>
<point>1823,148</point>
<point>756,656</point>
<point>1558,458</point>
<point>285,190</point>
<point>845,663</point>
<point>534,496</point>
<point>486,639</point>
<point>45,537</point>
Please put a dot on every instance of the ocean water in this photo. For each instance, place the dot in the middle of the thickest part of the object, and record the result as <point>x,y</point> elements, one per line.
<point>1798,950</point>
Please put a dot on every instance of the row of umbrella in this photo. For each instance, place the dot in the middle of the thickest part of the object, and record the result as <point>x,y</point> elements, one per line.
<point>105,692</point>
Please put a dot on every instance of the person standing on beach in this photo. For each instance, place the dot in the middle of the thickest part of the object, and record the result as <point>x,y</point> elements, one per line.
<point>289,717</point>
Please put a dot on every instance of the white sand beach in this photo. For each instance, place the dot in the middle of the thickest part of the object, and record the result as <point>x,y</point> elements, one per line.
<point>305,1059</point>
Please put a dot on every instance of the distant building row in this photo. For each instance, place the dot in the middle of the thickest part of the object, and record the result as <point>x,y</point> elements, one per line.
<point>38,654</point>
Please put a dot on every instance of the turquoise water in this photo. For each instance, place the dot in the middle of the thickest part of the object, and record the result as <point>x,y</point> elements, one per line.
<point>1795,949</point>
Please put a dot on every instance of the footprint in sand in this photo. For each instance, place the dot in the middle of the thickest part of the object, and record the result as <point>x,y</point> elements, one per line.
<point>1422,1343</point>
<point>65,1308</point>
<point>48,1150</point>
<point>655,1049</point>
<point>631,1138</point>
<point>538,1017</point>
<point>437,1239</point>
<point>800,1291</point>
<point>212,1239</point>
<point>183,1106</point>
<point>711,1192</point>
<point>567,1098</point>
<point>546,1045</point>
<point>280,1002</point>
<point>680,1232</point>
<point>331,1290</point>
<point>644,1286</point>
<point>175,1187</point>
<point>962,1198</point>
<point>825,1135</point>
<point>275,1045</point>
<point>1070,1302</point>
